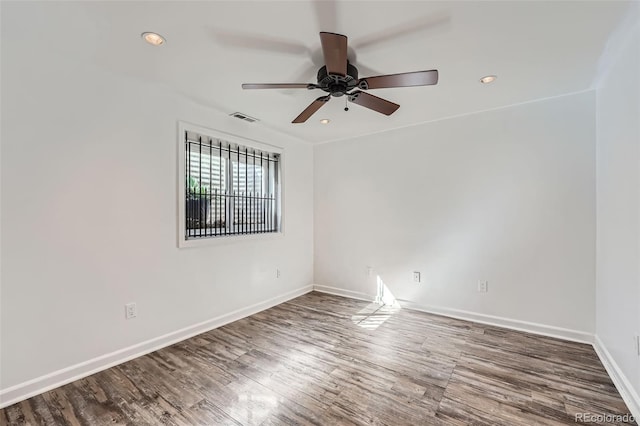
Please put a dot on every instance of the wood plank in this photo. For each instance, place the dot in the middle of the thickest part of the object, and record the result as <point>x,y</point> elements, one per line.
<point>323,360</point>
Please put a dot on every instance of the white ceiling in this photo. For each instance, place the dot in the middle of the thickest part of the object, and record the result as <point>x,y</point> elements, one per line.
<point>538,49</point>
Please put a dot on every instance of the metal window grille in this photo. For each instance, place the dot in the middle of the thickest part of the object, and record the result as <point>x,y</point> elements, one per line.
<point>230,189</point>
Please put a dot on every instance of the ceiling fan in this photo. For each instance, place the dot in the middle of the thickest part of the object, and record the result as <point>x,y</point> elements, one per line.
<point>338,78</point>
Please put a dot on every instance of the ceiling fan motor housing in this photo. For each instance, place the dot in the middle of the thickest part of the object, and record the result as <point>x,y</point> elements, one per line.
<point>338,85</point>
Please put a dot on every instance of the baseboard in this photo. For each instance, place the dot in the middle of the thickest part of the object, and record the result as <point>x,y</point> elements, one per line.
<point>627,392</point>
<point>61,377</point>
<point>529,327</point>
<point>344,293</point>
<point>512,324</point>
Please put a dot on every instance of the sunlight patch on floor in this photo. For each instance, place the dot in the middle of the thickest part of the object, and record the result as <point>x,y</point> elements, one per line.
<point>375,314</point>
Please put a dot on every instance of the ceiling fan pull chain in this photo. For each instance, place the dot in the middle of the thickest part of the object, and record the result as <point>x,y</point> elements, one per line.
<point>346,107</point>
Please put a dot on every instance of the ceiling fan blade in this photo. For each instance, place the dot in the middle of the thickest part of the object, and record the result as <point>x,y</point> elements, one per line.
<point>423,25</point>
<point>334,49</point>
<point>311,109</point>
<point>326,14</point>
<point>407,79</point>
<point>279,86</point>
<point>373,102</point>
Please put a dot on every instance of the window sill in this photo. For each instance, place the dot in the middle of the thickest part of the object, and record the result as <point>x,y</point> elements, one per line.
<point>228,239</point>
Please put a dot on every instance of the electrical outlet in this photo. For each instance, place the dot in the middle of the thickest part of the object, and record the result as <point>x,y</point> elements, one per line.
<point>277,273</point>
<point>130,310</point>
<point>369,271</point>
<point>483,286</point>
<point>416,276</point>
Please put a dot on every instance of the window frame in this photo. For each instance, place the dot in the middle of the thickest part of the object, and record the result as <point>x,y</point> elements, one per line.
<point>183,242</point>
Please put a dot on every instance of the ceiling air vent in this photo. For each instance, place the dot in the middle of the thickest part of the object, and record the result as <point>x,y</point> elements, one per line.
<point>244,117</point>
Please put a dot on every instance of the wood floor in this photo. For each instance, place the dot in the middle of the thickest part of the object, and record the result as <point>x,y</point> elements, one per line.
<point>327,360</point>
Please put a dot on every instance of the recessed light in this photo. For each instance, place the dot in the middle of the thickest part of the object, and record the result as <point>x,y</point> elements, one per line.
<point>488,79</point>
<point>154,39</point>
<point>325,121</point>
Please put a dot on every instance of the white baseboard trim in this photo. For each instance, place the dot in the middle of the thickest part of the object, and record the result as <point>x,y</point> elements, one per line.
<point>69,374</point>
<point>627,392</point>
<point>513,324</point>
<point>344,293</point>
<point>61,377</point>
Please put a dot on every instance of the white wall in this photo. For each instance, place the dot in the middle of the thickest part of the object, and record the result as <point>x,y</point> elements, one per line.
<point>618,209</point>
<point>88,193</point>
<point>89,211</point>
<point>506,196</point>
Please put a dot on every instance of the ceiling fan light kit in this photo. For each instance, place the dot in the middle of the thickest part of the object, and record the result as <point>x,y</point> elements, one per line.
<point>338,77</point>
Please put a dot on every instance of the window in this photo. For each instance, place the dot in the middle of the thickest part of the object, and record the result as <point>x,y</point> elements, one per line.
<point>229,188</point>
